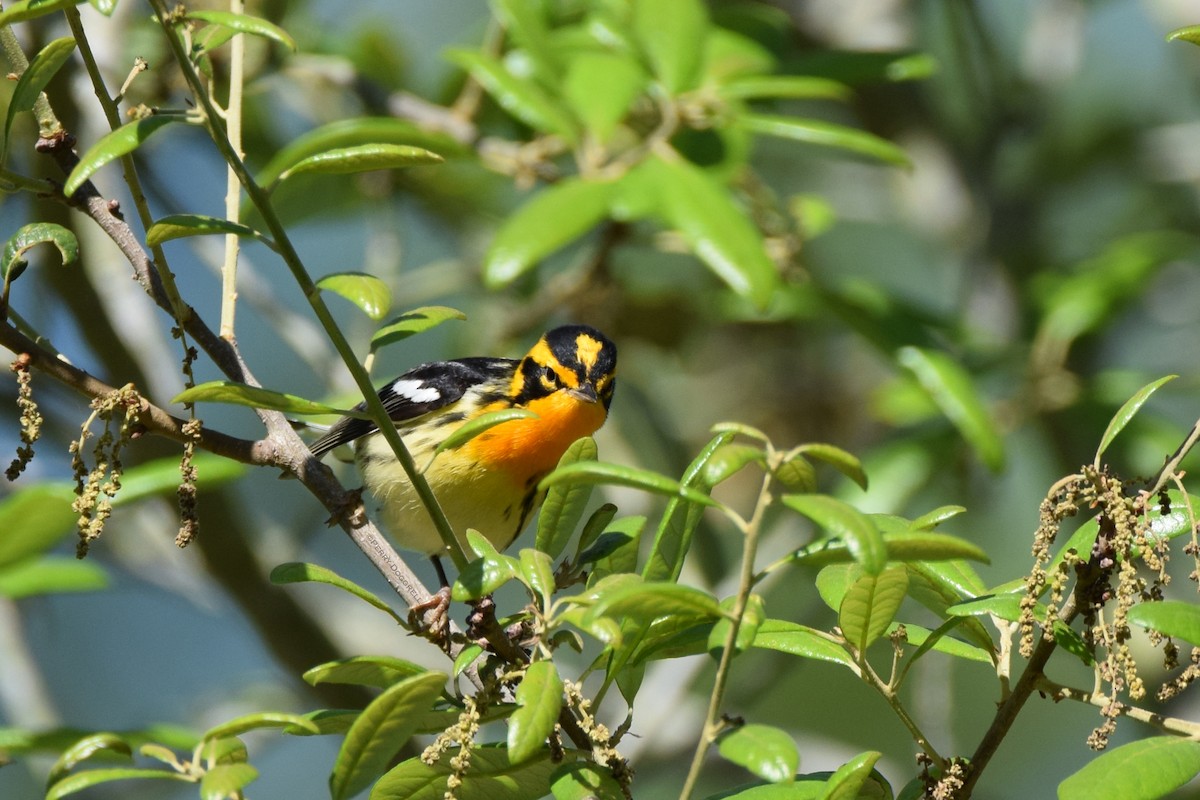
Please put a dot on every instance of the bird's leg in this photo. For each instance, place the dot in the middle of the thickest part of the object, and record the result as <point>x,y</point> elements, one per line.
<point>432,617</point>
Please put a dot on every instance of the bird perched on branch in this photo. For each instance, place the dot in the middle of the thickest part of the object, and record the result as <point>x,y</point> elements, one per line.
<point>489,483</point>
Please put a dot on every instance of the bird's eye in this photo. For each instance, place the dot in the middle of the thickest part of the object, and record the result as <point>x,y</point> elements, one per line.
<point>549,376</point>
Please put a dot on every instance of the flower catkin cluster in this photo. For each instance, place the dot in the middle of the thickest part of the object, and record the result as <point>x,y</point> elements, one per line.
<point>31,418</point>
<point>604,744</point>
<point>95,487</point>
<point>188,521</point>
<point>460,737</point>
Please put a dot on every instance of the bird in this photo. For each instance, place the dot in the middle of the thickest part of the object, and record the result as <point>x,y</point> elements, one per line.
<point>490,483</point>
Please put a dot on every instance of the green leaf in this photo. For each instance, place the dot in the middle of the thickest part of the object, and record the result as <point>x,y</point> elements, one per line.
<point>466,657</point>
<point>825,134</point>
<point>836,457</point>
<point>539,699</point>
<point>51,575</point>
<point>366,291</point>
<point>30,236</point>
<point>551,219</point>
<point>680,520</point>
<point>226,780</point>
<point>326,721</point>
<point>729,459</point>
<point>122,141</point>
<point>585,781</point>
<point>525,23</point>
<point>301,572</point>
<point>601,87</point>
<point>800,640</point>
<point>862,538</point>
<point>481,424</point>
<point>767,751</point>
<point>538,572</point>
<point>521,98</point>
<point>670,32</point>
<point>616,551</point>
<point>219,750</point>
<point>931,519</point>
<point>378,671</point>
<point>1142,770</point>
<point>1189,34</point>
<point>252,722</point>
<point>796,87</point>
<point>44,66</point>
<point>241,394</point>
<point>716,230</point>
<point>34,520</point>
<point>105,7</point>
<point>1173,618</point>
<point>563,507</point>
<point>870,605</point>
<point>919,636</point>
<point>362,158</point>
<point>179,226</point>
<point>410,323</point>
<point>491,777</point>
<point>616,475</point>
<point>350,133</point>
<point>642,603</point>
<point>30,9</point>
<point>848,780</point>
<point>752,618</point>
<point>244,23</point>
<point>382,728</point>
<point>950,387</point>
<point>94,777</point>
<point>902,546</point>
<point>84,749</point>
<point>485,574</point>
<point>1127,412</point>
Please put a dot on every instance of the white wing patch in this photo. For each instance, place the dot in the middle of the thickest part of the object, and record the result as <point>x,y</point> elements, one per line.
<point>416,391</point>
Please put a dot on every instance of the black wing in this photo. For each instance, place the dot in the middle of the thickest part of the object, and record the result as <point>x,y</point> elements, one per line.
<point>422,389</point>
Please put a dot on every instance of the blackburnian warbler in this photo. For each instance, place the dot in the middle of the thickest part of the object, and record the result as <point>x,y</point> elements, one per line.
<point>490,483</point>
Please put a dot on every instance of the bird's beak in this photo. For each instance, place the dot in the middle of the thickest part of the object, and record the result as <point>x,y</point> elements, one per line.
<point>586,393</point>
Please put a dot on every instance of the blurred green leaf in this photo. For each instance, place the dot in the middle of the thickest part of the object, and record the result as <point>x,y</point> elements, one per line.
<point>178,226</point>
<point>94,777</point>
<point>44,66</point>
<point>106,743</point>
<point>410,323</point>
<point>765,750</point>
<point>797,87</point>
<point>34,519</point>
<point>730,56</point>
<point>1127,412</point>
<point>1142,770</point>
<point>241,394</point>
<point>122,141</point>
<point>931,519</point>
<point>800,640</point>
<point>869,606</point>
<point>244,23</point>
<point>729,459</point>
<point>539,698</point>
<point>491,777</point>
<point>521,98</point>
<point>863,540</point>
<point>752,618</point>
<point>383,727</point>
<point>378,671</point>
<point>50,575</point>
<point>30,236</point>
<point>554,217</point>
<point>366,291</point>
<point>301,572</point>
<point>361,158</point>
<point>825,134</point>
<point>949,385</point>
<point>1191,33</point>
<point>584,781</point>
<point>1173,618</point>
<point>848,780</point>
<point>226,780</point>
<point>525,22</point>
<point>600,87</point>
<point>670,33</point>
<point>29,9</point>
<point>563,507</point>
<point>839,459</point>
<point>256,721</point>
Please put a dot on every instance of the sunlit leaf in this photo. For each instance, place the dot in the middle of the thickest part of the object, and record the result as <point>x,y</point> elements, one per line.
<point>1141,770</point>
<point>30,236</point>
<point>480,425</point>
<point>618,475</point>
<point>410,323</point>
<point>1127,412</point>
<point>1173,618</point>
<point>600,88</point>
<point>826,134</point>
<point>244,23</point>
<point>848,780</point>
<point>800,640</point>
<point>261,719</point>
<point>241,394</point>
<point>226,780</point>
<point>537,569</point>
<point>107,743</point>
<point>585,781</point>
<point>752,617</point>
<point>918,636</point>
<point>122,141</point>
<point>869,606</point>
<point>366,291</point>
<point>79,781</point>
<point>1191,33</point>
<point>362,158</point>
<point>523,99</point>
<point>29,9</point>
<point>539,699</point>
<point>178,226</point>
<point>862,538</point>
<point>44,66</point>
<point>564,505</point>
<point>378,671</point>
<point>491,777</point>
<point>34,520</point>
<point>931,519</point>
<point>799,87</point>
<point>767,751</point>
<point>836,457</point>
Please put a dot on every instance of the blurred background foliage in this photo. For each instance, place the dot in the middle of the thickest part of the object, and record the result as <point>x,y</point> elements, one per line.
<point>1041,244</point>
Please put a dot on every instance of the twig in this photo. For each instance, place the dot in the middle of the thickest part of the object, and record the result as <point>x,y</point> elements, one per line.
<point>1172,725</point>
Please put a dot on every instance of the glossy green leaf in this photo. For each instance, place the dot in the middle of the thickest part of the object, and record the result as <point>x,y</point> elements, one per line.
<point>51,575</point>
<point>848,780</point>
<point>410,323</point>
<point>919,636</point>
<point>931,519</point>
<point>796,87</point>
<point>1142,770</point>
<point>485,574</point>
<point>870,605</point>
<point>1173,618</point>
<point>244,23</point>
<point>834,581</point>
<point>30,236</point>
<point>122,141</point>
<point>716,230</point>
<point>539,699</point>
<point>554,217</point>
<point>301,572</point>
<point>670,32</point>
<point>107,743</point>
<point>34,519</point>
<point>466,657</point>
<point>594,527</point>
<point>617,475</point>
<point>616,550</point>
<point>378,671</point>
<point>949,385</point>
<point>863,540</point>
<point>939,585</point>
<point>797,474</point>
<point>1191,33</point>
<point>839,459</point>
<point>1127,412</point>
<point>226,780</point>
<point>767,751</point>
<point>326,721</point>
<point>44,66</point>
<point>825,134</point>
<point>241,394</point>
<point>491,777</point>
<point>564,505</point>
<point>480,425</point>
<point>752,618</point>
<point>800,640</point>
<point>179,226</point>
<point>30,9</point>
<point>538,572</point>
<point>366,291</point>
<point>94,777</point>
<point>362,158</point>
<point>680,520</point>
<point>645,602</point>
<point>900,546</point>
<point>585,781</point>
<point>521,98</point>
<point>354,132</point>
<point>252,722</point>
<point>601,87</point>
<point>729,459</point>
<point>1008,607</point>
<point>380,731</point>
<point>218,750</point>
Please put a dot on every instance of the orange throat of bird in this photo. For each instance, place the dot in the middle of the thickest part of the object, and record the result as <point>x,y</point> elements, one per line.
<point>529,448</point>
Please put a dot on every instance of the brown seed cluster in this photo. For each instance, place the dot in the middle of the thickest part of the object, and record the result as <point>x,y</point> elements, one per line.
<point>96,486</point>
<point>31,418</point>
